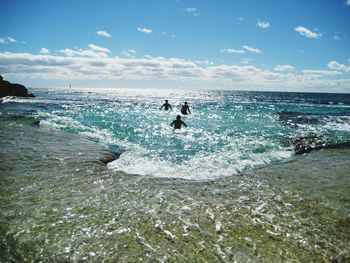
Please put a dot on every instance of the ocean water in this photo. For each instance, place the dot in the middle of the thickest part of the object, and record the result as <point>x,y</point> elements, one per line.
<point>228,132</point>
<point>229,187</point>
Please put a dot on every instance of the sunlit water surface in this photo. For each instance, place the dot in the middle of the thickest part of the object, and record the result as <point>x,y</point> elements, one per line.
<point>227,188</point>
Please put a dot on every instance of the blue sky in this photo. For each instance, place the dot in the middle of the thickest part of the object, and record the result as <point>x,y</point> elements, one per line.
<point>279,45</point>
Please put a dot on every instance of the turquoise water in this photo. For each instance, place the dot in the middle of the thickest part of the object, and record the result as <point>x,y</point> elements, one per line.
<point>228,132</point>
<point>228,188</point>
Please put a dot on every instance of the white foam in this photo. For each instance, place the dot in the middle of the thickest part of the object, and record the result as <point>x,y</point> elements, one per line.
<point>341,123</point>
<point>17,99</point>
<point>202,166</point>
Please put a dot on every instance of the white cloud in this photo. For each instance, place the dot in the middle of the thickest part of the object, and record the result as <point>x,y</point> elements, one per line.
<point>321,72</point>
<point>246,61</point>
<point>307,33</point>
<point>12,40</point>
<point>263,24</point>
<point>7,40</point>
<point>232,51</point>
<point>91,65</point>
<point>99,49</point>
<point>144,30</point>
<point>251,49</point>
<point>93,52</point>
<point>165,34</point>
<point>240,51</point>
<point>347,2</point>
<point>128,53</point>
<point>103,34</point>
<point>283,67</point>
<point>192,11</point>
<point>204,62</point>
<point>44,50</point>
<point>335,65</point>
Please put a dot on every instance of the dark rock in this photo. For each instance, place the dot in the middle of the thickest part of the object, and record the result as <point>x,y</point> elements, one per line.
<point>326,102</point>
<point>109,157</point>
<point>306,144</point>
<point>291,118</point>
<point>313,142</point>
<point>36,123</point>
<point>343,257</point>
<point>11,89</point>
<point>301,148</point>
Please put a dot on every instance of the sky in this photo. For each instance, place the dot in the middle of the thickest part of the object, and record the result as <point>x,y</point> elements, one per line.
<point>280,45</point>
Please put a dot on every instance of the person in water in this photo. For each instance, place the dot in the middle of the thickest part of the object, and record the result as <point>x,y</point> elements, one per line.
<point>178,123</point>
<point>166,106</point>
<point>185,109</point>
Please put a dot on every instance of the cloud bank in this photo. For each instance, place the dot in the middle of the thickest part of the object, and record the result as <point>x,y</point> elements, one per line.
<point>95,64</point>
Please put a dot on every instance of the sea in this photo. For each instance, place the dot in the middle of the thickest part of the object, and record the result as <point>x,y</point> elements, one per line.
<point>100,175</point>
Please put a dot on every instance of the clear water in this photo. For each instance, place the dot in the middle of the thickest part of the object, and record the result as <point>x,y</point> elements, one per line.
<point>226,189</point>
<point>228,132</point>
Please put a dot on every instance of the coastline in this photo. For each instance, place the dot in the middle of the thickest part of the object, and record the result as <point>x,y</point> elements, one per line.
<point>57,191</point>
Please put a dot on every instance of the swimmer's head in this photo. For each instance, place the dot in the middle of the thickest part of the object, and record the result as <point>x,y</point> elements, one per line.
<point>178,117</point>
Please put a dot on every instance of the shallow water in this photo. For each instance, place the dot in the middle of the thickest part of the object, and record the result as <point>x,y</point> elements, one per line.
<point>66,211</point>
<point>59,203</point>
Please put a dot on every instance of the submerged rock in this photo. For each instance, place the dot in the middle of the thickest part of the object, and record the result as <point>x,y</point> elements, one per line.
<point>109,157</point>
<point>11,89</point>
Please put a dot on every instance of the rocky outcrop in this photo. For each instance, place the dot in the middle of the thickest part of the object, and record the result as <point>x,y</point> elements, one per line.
<point>313,143</point>
<point>308,149</point>
<point>11,89</point>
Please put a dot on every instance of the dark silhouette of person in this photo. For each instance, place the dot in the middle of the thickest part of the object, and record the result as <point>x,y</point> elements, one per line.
<point>178,123</point>
<point>185,109</point>
<point>166,106</point>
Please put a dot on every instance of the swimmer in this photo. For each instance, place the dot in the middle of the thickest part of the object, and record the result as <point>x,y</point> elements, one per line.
<point>178,123</point>
<point>166,106</point>
<point>185,109</point>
